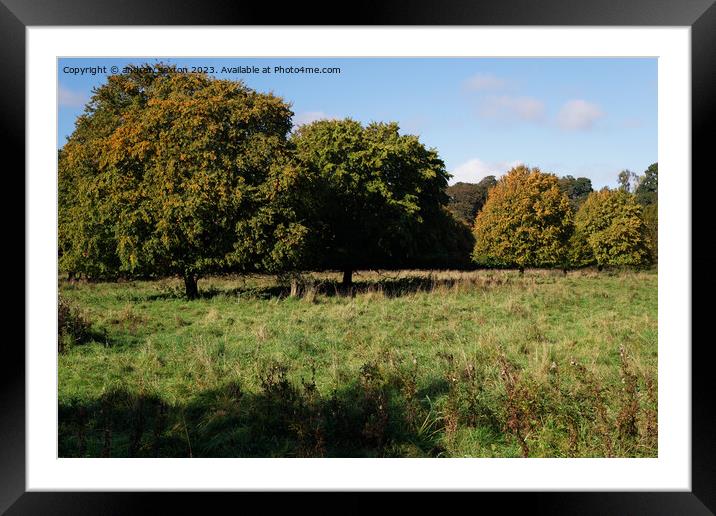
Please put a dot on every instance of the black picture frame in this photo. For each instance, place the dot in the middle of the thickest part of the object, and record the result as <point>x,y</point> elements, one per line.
<point>700,15</point>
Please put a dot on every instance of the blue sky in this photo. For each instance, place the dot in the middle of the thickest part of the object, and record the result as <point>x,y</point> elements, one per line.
<point>588,117</point>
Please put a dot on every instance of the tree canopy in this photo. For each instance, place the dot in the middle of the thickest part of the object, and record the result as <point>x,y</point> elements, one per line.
<point>647,194</point>
<point>374,197</point>
<point>175,173</point>
<point>577,190</point>
<point>160,171</point>
<point>628,180</point>
<point>466,199</point>
<point>609,230</point>
<point>647,191</point>
<point>526,222</point>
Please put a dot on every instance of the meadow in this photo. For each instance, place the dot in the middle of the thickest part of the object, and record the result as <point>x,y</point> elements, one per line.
<point>409,364</point>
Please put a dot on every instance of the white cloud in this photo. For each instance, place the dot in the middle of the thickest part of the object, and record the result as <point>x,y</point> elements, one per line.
<point>484,81</point>
<point>578,115</point>
<point>310,116</point>
<point>69,98</point>
<point>506,108</point>
<point>472,171</point>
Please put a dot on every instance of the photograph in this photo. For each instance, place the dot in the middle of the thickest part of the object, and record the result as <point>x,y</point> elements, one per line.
<point>412,249</point>
<point>357,257</point>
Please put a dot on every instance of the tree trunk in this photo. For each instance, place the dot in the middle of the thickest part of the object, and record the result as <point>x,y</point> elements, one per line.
<point>294,287</point>
<point>192,291</point>
<point>522,271</point>
<point>564,271</point>
<point>600,267</point>
<point>347,278</point>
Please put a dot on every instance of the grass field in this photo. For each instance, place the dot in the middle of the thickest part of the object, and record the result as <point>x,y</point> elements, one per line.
<point>414,364</point>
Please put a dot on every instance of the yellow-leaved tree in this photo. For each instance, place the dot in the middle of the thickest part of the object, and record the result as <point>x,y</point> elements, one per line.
<point>526,222</point>
<point>610,231</point>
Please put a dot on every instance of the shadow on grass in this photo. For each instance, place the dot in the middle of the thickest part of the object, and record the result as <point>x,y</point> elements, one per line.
<point>381,412</point>
<point>388,287</point>
<point>367,418</point>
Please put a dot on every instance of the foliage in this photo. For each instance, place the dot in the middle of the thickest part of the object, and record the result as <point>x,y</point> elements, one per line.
<point>275,239</point>
<point>577,190</point>
<point>86,242</point>
<point>651,221</point>
<point>443,242</point>
<point>647,194</point>
<point>162,167</point>
<point>610,230</point>
<point>525,222</point>
<point>373,194</point>
<point>648,189</point>
<point>628,181</point>
<point>174,173</point>
<point>580,253</point>
<point>467,199</point>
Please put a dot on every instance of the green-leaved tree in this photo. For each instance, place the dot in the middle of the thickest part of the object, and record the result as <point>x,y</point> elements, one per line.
<point>373,199</point>
<point>466,199</point>
<point>648,190</point>
<point>577,190</point>
<point>647,194</point>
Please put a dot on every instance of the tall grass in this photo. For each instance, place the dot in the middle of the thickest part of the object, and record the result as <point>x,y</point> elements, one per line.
<point>412,364</point>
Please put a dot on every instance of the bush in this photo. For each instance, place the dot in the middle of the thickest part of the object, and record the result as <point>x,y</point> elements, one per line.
<point>72,325</point>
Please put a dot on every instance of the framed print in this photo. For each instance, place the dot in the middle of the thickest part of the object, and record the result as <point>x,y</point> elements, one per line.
<point>417,250</point>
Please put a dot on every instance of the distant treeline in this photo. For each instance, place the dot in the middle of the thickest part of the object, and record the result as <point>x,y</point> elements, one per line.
<point>609,227</point>
<point>174,173</point>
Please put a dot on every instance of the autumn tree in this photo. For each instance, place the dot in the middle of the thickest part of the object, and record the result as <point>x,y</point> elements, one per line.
<point>162,169</point>
<point>466,199</point>
<point>374,197</point>
<point>526,222</point>
<point>609,230</point>
<point>651,221</point>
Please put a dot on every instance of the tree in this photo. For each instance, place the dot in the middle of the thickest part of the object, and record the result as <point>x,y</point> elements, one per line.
<point>373,195</point>
<point>647,194</point>
<point>86,240</point>
<point>648,189</point>
<point>577,190</point>
<point>651,221</point>
<point>628,181</point>
<point>443,242</point>
<point>525,222</point>
<point>609,230</point>
<point>274,239</point>
<point>466,199</point>
<point>162,168</point>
